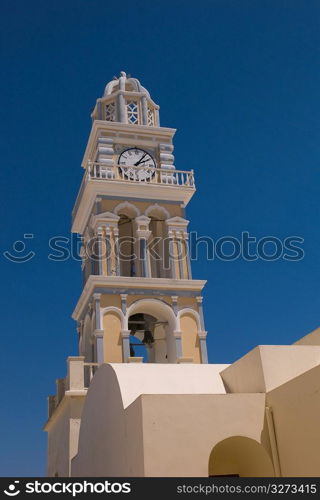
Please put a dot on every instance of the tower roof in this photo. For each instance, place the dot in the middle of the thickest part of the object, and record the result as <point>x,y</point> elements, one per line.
<point>124,82</point>
<point>125,100</point>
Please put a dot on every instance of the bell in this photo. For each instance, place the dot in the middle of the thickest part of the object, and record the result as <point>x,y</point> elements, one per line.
<point>148,338</point>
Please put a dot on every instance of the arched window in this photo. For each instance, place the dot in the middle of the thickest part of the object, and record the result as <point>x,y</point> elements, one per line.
<point>158,247</point>
<point>126,246</point>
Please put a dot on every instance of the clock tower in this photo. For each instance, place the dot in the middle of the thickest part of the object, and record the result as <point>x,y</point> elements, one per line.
<point>139,302</point>
<point>130,212</point>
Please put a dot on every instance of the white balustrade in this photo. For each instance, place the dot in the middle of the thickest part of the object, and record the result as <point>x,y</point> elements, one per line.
<point>147,175</point>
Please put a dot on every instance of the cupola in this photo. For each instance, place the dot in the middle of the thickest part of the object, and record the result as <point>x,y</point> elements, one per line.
<point>125,100</point>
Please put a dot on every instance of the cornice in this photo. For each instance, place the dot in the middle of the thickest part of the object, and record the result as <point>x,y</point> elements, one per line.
<point>103,125</point>
<point>121,283</point>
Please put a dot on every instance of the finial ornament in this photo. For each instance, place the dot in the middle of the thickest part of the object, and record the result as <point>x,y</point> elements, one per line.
<point>122,73</point>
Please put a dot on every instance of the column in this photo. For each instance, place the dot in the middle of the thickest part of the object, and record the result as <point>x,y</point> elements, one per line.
<point>144,109</point>
<point>177,336</point>
<point>123,297</point>
<point>116,251</point>
<point>99,256</point>
<point>143,257</point>
<point>80,334</point>
<point>200,310</point>
<point>203,347</point>
<point>122,112</point>
<point>143,234</point>
<point>106,227</point>
<point>108,251</point>
<point>180,255</point>
<point>98,333</point>
<point>187,255</point>
<point>125,334</point>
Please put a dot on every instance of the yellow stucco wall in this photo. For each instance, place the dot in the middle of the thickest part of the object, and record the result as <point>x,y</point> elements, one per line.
<point>112,341</point>
<point>189,338</point>
<point>108,300</point>
<point>187,302</point>
<point>132,298</point>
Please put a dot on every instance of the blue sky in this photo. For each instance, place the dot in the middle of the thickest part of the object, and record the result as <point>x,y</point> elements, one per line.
<point>240,81</point>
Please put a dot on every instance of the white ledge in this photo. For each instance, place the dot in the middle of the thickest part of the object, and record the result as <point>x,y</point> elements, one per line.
<point>124,282</point>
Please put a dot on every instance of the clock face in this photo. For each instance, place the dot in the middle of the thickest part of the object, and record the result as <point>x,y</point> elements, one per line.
<point>136,164</point>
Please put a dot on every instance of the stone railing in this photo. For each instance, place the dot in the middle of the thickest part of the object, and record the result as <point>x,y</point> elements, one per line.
<point>77,381</point>
<point>169,177</point>
<point>121,173</point>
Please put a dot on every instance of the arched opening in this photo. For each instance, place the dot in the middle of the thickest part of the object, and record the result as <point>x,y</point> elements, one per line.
<point>142,340</point>
<point>240,456</point>
<point>152,323</point>
<point>126,246</point>
<point>158,247</point>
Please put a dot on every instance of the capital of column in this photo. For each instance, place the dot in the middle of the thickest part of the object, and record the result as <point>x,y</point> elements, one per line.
<point>125,334</point>
<point>202,334</point>
<point>199,299</point>
<point>97,333</point>
<point>177,334</point>
<point>143,233</point>
<point>96,296</point>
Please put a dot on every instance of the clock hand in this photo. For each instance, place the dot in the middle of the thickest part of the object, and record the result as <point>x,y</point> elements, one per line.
<point>143,162</point>
<point>139,161</point>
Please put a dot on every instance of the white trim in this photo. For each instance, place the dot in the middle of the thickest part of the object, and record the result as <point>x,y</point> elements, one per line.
<point>114,309</point>
<point>157,207</point>
<point>192,312</point>
<point>124,283</point>
<point>159,306</point>
<point>99,126</point>
<point>126,204</point>
<point>91,188</point>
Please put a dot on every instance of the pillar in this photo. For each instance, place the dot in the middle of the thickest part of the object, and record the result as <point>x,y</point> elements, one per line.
<point>144,109</point>
<point>203,347</point>
<point>125,334</point>
<point>98,332</point>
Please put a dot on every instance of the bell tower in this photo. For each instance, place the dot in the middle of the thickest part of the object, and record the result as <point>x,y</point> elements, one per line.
<point>139,303</point>
<point>130,213</point>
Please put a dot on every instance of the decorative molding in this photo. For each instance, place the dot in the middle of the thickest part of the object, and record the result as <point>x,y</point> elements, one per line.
<point>192,312</point>
<point>155,207</point>
<point>116,310</point>
<point>128,205</point>
<point>125,334</point>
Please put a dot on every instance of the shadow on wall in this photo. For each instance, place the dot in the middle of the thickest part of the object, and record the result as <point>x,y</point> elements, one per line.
<point>240,456</point>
